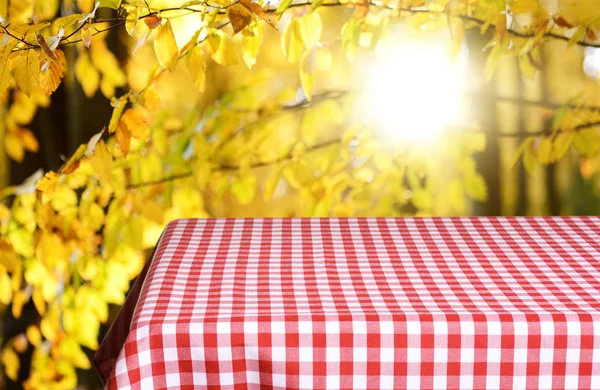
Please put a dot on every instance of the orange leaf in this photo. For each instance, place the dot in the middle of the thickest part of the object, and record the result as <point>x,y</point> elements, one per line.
<point>123,137</point>
<point>239,19</point>
<point>153,21</point>
<point>135,123</point>
<point>53,76</point>
<point>258,11</point>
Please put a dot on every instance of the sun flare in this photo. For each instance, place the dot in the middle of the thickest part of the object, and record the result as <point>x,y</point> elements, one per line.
<point>414,90</point>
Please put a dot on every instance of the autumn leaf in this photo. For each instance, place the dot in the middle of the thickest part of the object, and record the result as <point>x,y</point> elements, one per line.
<point>258,11</point>
<point>196,66</point>
<point>165,46</point>
<point>48,182</point>
<point>87,74</point>
<point>50,80</point>
<point>239,18</point>
<point>123,138</point>
<point>243,187</point>
<point>102,162</point>
<point>132,20</point>
<point>26,70</point>
<point>5,52</point>
<point>135,124</point>
<point>152,21</point>
<point>226,53</point>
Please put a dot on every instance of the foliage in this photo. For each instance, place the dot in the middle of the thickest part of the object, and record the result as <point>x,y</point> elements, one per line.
<point>72,240</point>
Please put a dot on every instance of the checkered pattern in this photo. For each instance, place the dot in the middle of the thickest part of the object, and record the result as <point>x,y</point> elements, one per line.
<point>418,303</point>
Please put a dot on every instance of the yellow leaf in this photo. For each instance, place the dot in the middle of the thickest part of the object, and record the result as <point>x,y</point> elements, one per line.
<point>88,76</point>
<point>239,18</point>
<point>5,287</point>
<point>527,68</point>
<point>72,352</point>
<point>577,36</point>
<point>13,147</point>
<point>34,336</point>
<point>8,257</point>
<point>243,187</point>
<point>251,45</point>
<point>291,42</point>
<point>586,141</point>
<point>11,363</point>
<point>18,302</point>
<point>48,182</point>
<point>307,68</point>
<point>271,182</point>
<point>132,20</point>
<point>150,98</point>
<point>475,187</point>
<point>39,302</point>
<point>66,21</point>
<point>5,52</point>
<point>134,121</point>
<point>226,54</point>
<point>50,80</point>
<point>27,70</point>
<point>544,150</point>
<point>310,29</point>
<point>196,66</point>
<point>22,242</point>
<point>119,106</point>
<point>102,162</point>
<point>153,211</point>
<point>561,145</point>
<point>165,46</point>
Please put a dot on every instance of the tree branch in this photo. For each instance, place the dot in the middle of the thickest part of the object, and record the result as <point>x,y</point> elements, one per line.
<point>415,10</point>
<point>549,131</point>
<point>229,167</point>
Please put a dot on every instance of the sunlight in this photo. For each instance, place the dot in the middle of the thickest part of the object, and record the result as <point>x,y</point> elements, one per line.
<point>414,90</point>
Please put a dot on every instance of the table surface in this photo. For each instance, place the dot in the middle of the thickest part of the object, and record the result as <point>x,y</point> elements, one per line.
<point>463,303</point>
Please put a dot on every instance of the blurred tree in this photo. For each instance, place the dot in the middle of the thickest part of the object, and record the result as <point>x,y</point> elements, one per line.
<point>205,108</point>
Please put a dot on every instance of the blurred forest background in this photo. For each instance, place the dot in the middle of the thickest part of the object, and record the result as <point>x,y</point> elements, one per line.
<point>169,109</point>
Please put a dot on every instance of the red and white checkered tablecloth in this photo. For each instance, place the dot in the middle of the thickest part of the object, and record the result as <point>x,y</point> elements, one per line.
<point>418,303</point>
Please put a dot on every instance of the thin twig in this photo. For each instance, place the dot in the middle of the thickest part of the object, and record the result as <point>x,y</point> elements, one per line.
<point>550,131</point>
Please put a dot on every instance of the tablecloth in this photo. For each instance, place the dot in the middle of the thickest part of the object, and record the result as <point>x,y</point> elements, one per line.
<point>419,303</point>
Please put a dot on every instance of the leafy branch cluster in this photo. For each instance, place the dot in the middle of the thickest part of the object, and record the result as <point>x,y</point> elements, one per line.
<point>71,240</point>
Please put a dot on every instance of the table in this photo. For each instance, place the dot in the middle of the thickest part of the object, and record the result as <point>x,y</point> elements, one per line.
<point>419,303</point>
